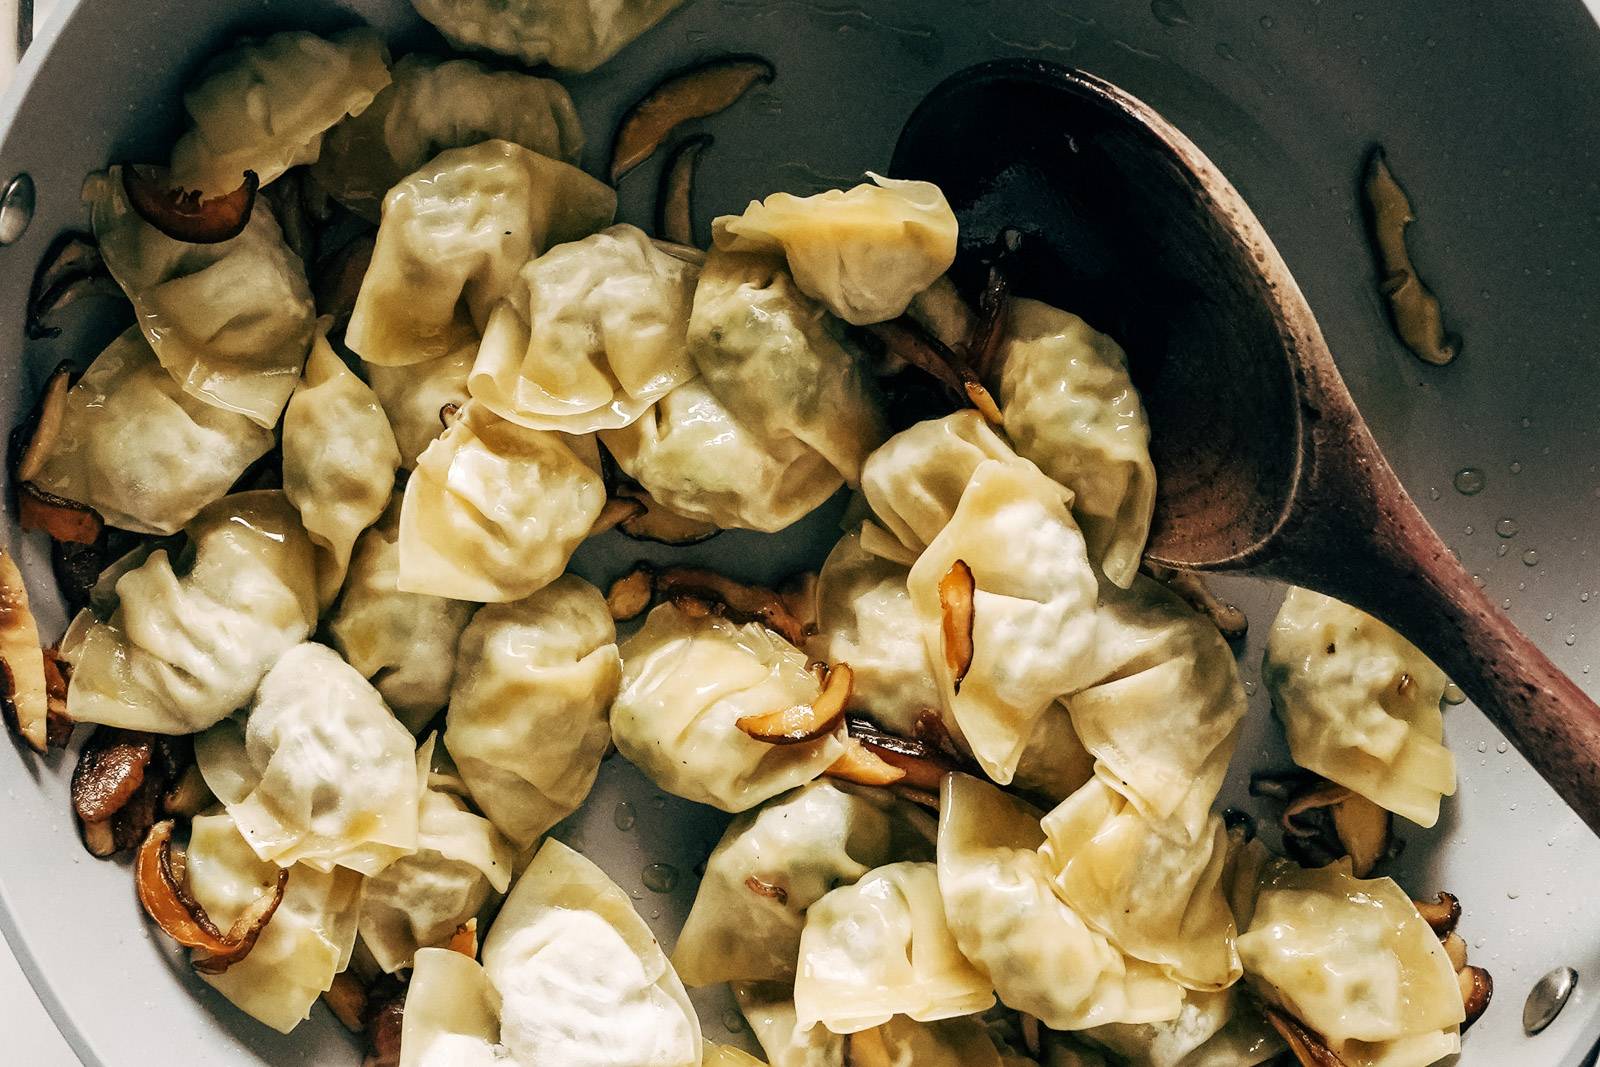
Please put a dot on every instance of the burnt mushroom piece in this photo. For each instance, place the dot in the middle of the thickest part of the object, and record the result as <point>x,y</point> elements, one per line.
<point>186,214</point>
<point>696,93</point>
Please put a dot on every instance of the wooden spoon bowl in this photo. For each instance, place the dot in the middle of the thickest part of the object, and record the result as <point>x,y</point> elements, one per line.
<point>1265,466</point>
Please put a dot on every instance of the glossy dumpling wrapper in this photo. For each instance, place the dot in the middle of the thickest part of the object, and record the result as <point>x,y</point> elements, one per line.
<point>864,252</point>
<point>1353,960</point>
<point>1222,1029</point>
<point>320,773</point>
<point>768,1008</point>
<point>880,947</point>
<point>452,1014</point>
<point>1360,705</point>
<point>1069,406</point>
<point>1033,623</point>
<point>185,645</point>
<point>434,104</point>
<point>308,940</point>
<point>139,450</point>
<point>728,1056</point>
<point>570,35</point>
<point>686,682</point>
<point>770,354</point>
<point>418,397</point>
<point>1150,887</point>
<point>403,643</point>
<point>590,335</point>
<point>775,862</point>
<point>420,900</point>
<point>527,720</point>
<point>494,510</point>
<point>915,480</point>
<point>263,105</point>
<point>1054,764</point>
<point>582,981</point>
<point>454,234</point>
<point>692,455</point>
<point>1040,956</point>
<point>339,460</point>
<point>231,322</point>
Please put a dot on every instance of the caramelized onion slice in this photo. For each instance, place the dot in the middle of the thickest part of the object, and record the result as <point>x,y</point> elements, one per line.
<point>675,198</point>
<point>25,700</point>
<point>696,93</point>
<point>62,519</point>
<point>957,615</point>
<point>1307,1045</point>
<point>184,920</point>
<point>47,420</point>
<point>805,722</point>
<point>185,214</point>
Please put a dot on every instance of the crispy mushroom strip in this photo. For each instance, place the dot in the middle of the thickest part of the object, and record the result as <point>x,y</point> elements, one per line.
<point>124,781</point>
<point>1413,309</point>
<point>805,722</point>
<point>957,614</point>
<point>71,270</point>
<point>703,592</point>
<point>159,881</point>
<point>25,697</point>
<point>907,340</point>
<point>1323,821</point>
<point>675,199</point>
<point>185,214</point>
<point>1192,587</point>
<point>696,93</point>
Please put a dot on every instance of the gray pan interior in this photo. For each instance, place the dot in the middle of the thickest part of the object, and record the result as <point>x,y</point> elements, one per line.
<point>1489,111</point>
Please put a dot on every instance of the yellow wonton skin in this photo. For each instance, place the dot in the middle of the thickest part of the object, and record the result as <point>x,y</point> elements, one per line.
<point>1360,705</point>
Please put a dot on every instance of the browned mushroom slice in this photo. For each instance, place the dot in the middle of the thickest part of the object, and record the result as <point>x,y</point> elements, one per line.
<point>924,767</point>
<point>25,701</point>
<point>1455,947</point>
<point>186,214</point>
<point>1414,311</point>
<point>804,722</point>
<point>71,270</point>
<point>347,999</point>
<point>1309,1049</point>
<point>1323,821</point>
<point>62,519</point>
<point>121,784</point>
<point>863,766</point>
<point>47,419</point>
<point>1441,913</point>
<point>612,513</point>
<point>58,724</point>
<point>698,591</point>
<point>957,615</point>
<point>696,93</point>
<point>383,1032</point>
<point>631,594</point>
<point>182,918</point>
<point>336,277</point>
<point>1477,989</point>
<point>656,523</point>
<point>989,332</point>
<point>675,200</point>
<point>909,341</point>
<point>1192,587</point>
<point>188,796</point>
<point>465,939</point>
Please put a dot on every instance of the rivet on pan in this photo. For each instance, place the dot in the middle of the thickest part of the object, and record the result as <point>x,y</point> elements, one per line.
<point>16,209</point>
<point>1547,998</point>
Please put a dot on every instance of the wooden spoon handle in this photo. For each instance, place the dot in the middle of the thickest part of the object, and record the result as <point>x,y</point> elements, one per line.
<point>1367,544</point>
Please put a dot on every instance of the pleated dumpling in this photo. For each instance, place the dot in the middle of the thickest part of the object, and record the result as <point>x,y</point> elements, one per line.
<point>1360,705</point>
<point>1070,407</point>
<point>1353,960</point>
<point>571,35</point>
<point>695,458</point>
<point>139,450</point>
<point>864,252</point>
<point>185,645</point>
<point>339,460</point>
<point>774,863</point>
<point>1223,1029</point>
<point>1013,552</point>
<point>582,982</point>
<point>772,357</point>
<point>419,398</point>
<point>420,900</point>
<point>1040,956</point>
<point>320,773</point>
<point>1153,890</point>
<point>494,510</point>
<point>686,682</point>
<point>434,104</point>
<point>527,720</point>
<point>914,482</point>
<point>453,237</point>
<point>590,335</point>
<point>307,941</point>
<point>231,322</point>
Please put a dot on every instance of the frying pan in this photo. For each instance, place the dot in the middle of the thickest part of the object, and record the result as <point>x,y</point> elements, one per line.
<point>1488,111</point>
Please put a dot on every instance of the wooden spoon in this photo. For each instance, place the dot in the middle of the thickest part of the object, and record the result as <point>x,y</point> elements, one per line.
<point>1266,467</point>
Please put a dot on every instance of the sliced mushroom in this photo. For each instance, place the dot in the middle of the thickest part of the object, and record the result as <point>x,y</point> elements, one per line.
<point>121,784</point>
<point>957,616</point>
<point>630,595</point>
<point>1441,913</point>
<point>383,1032</point>
<point>1414,311</point>
<point>1323,821</point>
<point>656,523</point>
<point>908,340</point>
<point>1477,989</point>
<point>804,722</point>
<point>989,332</point>
<point>675,199</point>
<point>1455,946</point>
<point>25,699</point>
<point>347,999</point>
<point>58,724</point>
<point>336,277</point>
<point>1192,587</point>
<point>1309,1049</point>
<point>186,214</point>
<point>46,421</point>
<point>188,796</point>
<point>182,918</point>
<point>465,939</point>
<point>697,93</point>
<point>923,766</point>
<point>698,591</point>
<point>767,889</point>
<point>863,766</point>
<point>614,511</point>
<point>71,270</point>
<point>62,519</point>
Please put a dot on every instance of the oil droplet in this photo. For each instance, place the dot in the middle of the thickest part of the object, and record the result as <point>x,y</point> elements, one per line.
<point>1549,616</point>
<point>1469,481</point>
<point>1452,694</point>
<point>1505,605</point>
<point>1266,22</point>
<point>1572,639</point>
<point>1526,422</point>
<point>1512,894</point>
<point>624,817</point>
<point>1483,746</point>
<point>1506,527</point>
<point>1225,51</point>
<point>1469,531</point>
<point>1169,12</point>
<point>658,802</point>
<point>659,877</point>
<point>1531,558</point>
<point>1516,468</point>
<point>732,1021</point>
<point>1249,687</point>
<point>1501,549</point>
<point>1502,748</point>
<point>1583,597</point>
